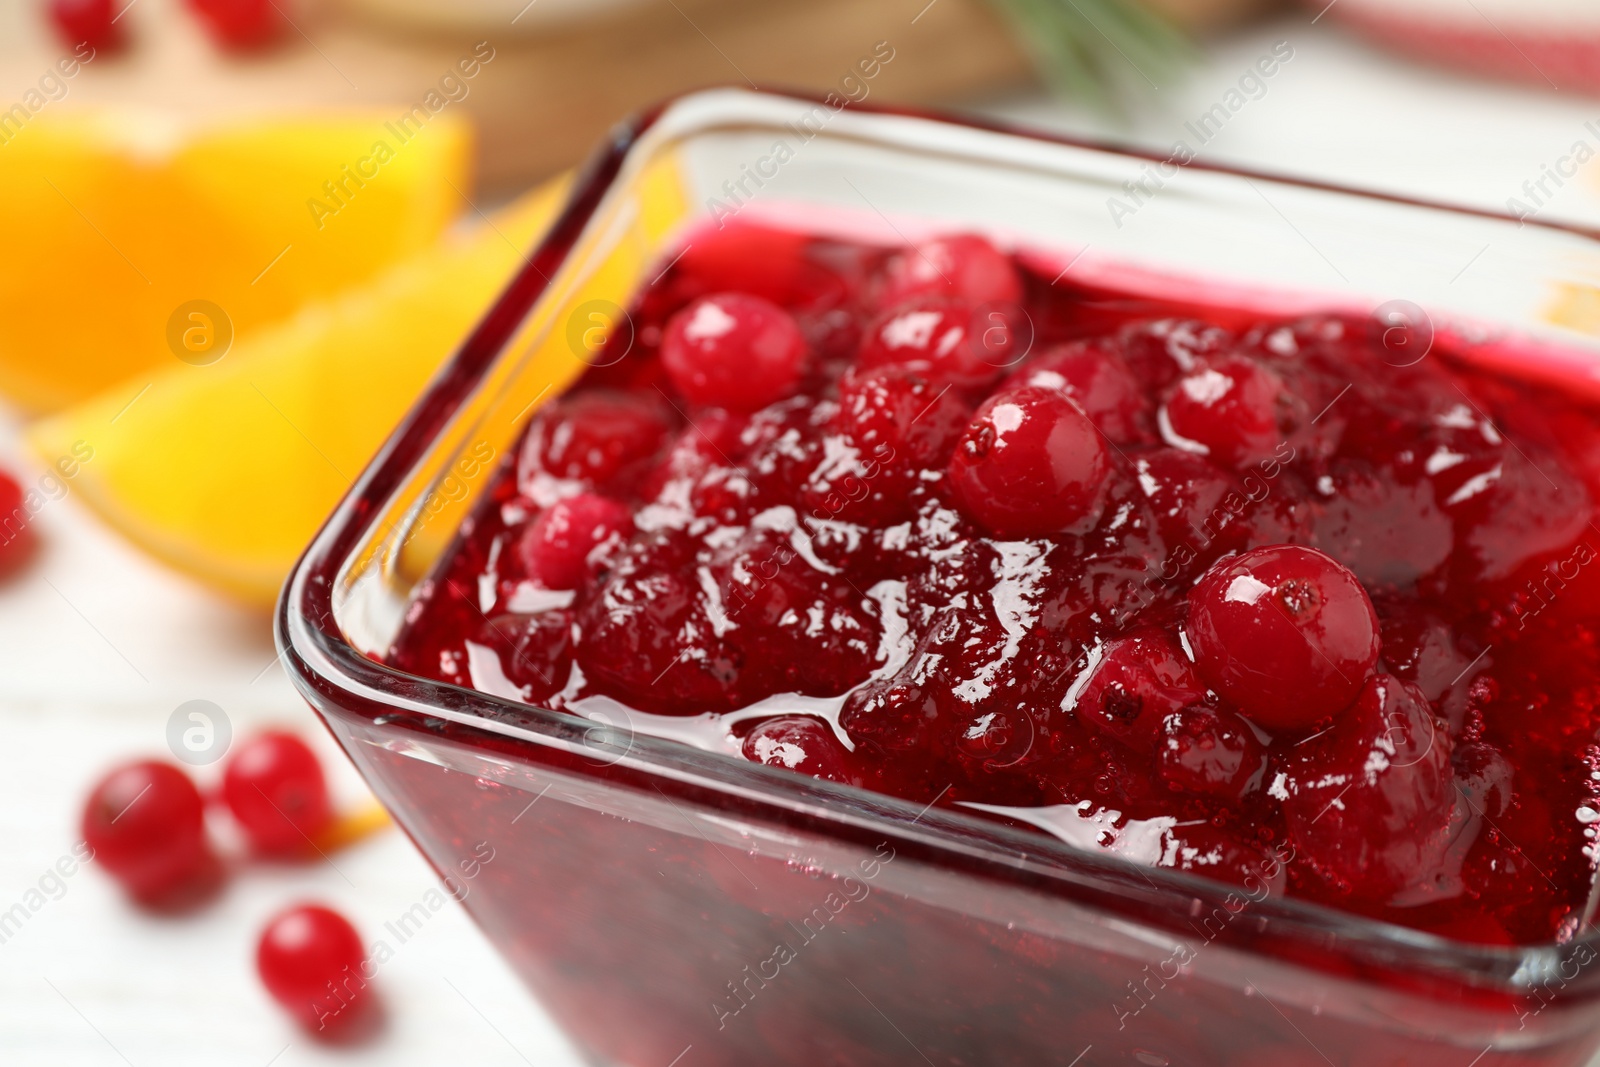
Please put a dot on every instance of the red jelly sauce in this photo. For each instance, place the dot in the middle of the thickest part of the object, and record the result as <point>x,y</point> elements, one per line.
<point>1259,600</point>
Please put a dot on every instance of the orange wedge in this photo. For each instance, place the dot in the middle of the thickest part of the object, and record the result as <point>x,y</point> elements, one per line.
<point>226,470</point>
<point>116,220</point>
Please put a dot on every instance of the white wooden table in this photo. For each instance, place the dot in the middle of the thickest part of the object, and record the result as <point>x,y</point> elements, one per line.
<point>98,646</point>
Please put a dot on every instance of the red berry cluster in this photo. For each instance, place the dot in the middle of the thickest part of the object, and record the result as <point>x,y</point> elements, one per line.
<point>237,25</point>
<point>1243,588</point>
<point>146,824</point>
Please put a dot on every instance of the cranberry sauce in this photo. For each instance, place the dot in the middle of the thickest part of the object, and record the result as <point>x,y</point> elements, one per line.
<point>1278,600</point>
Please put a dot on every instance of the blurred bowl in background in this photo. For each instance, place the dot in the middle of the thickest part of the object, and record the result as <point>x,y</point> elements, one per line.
<point>1540,42</point>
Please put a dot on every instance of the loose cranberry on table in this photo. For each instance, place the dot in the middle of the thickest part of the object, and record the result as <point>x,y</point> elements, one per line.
<point>145,822</point>
<point>312,961</point>
<point>241,25</point>
<point>733,351</point>
<point>17,539</point>
<point>273,785</point>
<point>91,22</point>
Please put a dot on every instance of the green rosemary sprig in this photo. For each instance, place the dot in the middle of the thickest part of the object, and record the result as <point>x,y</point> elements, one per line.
<point>1093,49</point>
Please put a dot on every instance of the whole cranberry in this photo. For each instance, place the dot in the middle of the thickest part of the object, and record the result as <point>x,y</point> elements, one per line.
<point>240,25</point>
<point>1196,503</point>
<point>1233,410</point>
<point>1210,752</point>
<point>593,437</point>
<point>799,743</point>
<point>1370,801</point>
<point>532,651</point>
<point>312,962</point>
<point>146,824</point>
<point>1140,680</point>
<point>962,265</point>
<point>274,787</point>
<point>559,549</point>
<point>1162,350</point>
<point>734,351</point>
<point>91,22</point>
<point>17,539</point>
<point>895,413</point>
<point>942,338</point>
<point>779,265</point>
<point>1030,464</point>
<point>1286,634</point>
<point>1098,380</point>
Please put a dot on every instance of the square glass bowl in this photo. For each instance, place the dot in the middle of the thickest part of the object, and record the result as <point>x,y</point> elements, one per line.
<point>676,906</point>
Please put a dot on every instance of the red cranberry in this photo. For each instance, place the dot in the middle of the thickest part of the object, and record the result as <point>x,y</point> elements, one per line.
<point>1198,507</point>
<point>1204,850</point>
<point>532,652</point>
<point>941,338</point>
<point>91,22</point>
<point>646,638</point>
<point>312,962</point>
<point>562,546</point>
<point>898,423</point>
<point>897,415</point>
<point>795,627</point>
<point>1140,680</point>
<point>1229,410</point>
<point>1099,381</point>
<point>1370,801</point>
<point>734,351</point>
<point>997,740</point>
<point>240,24</point>
<point>1160,352</point>
<point>1388,532</point>
<point>800,743</point>
<point>1030,464</point>
<point>594,437</point>
<point>146,824</point>
<point>1210,752</point>
<point>961,265</point>
<point>778,265</point>
<point>1284,633</point>
<point>17,539</point>
<point>274,787</point>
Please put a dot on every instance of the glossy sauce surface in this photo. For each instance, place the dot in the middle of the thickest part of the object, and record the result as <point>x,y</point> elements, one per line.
<point>1281,603</point>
